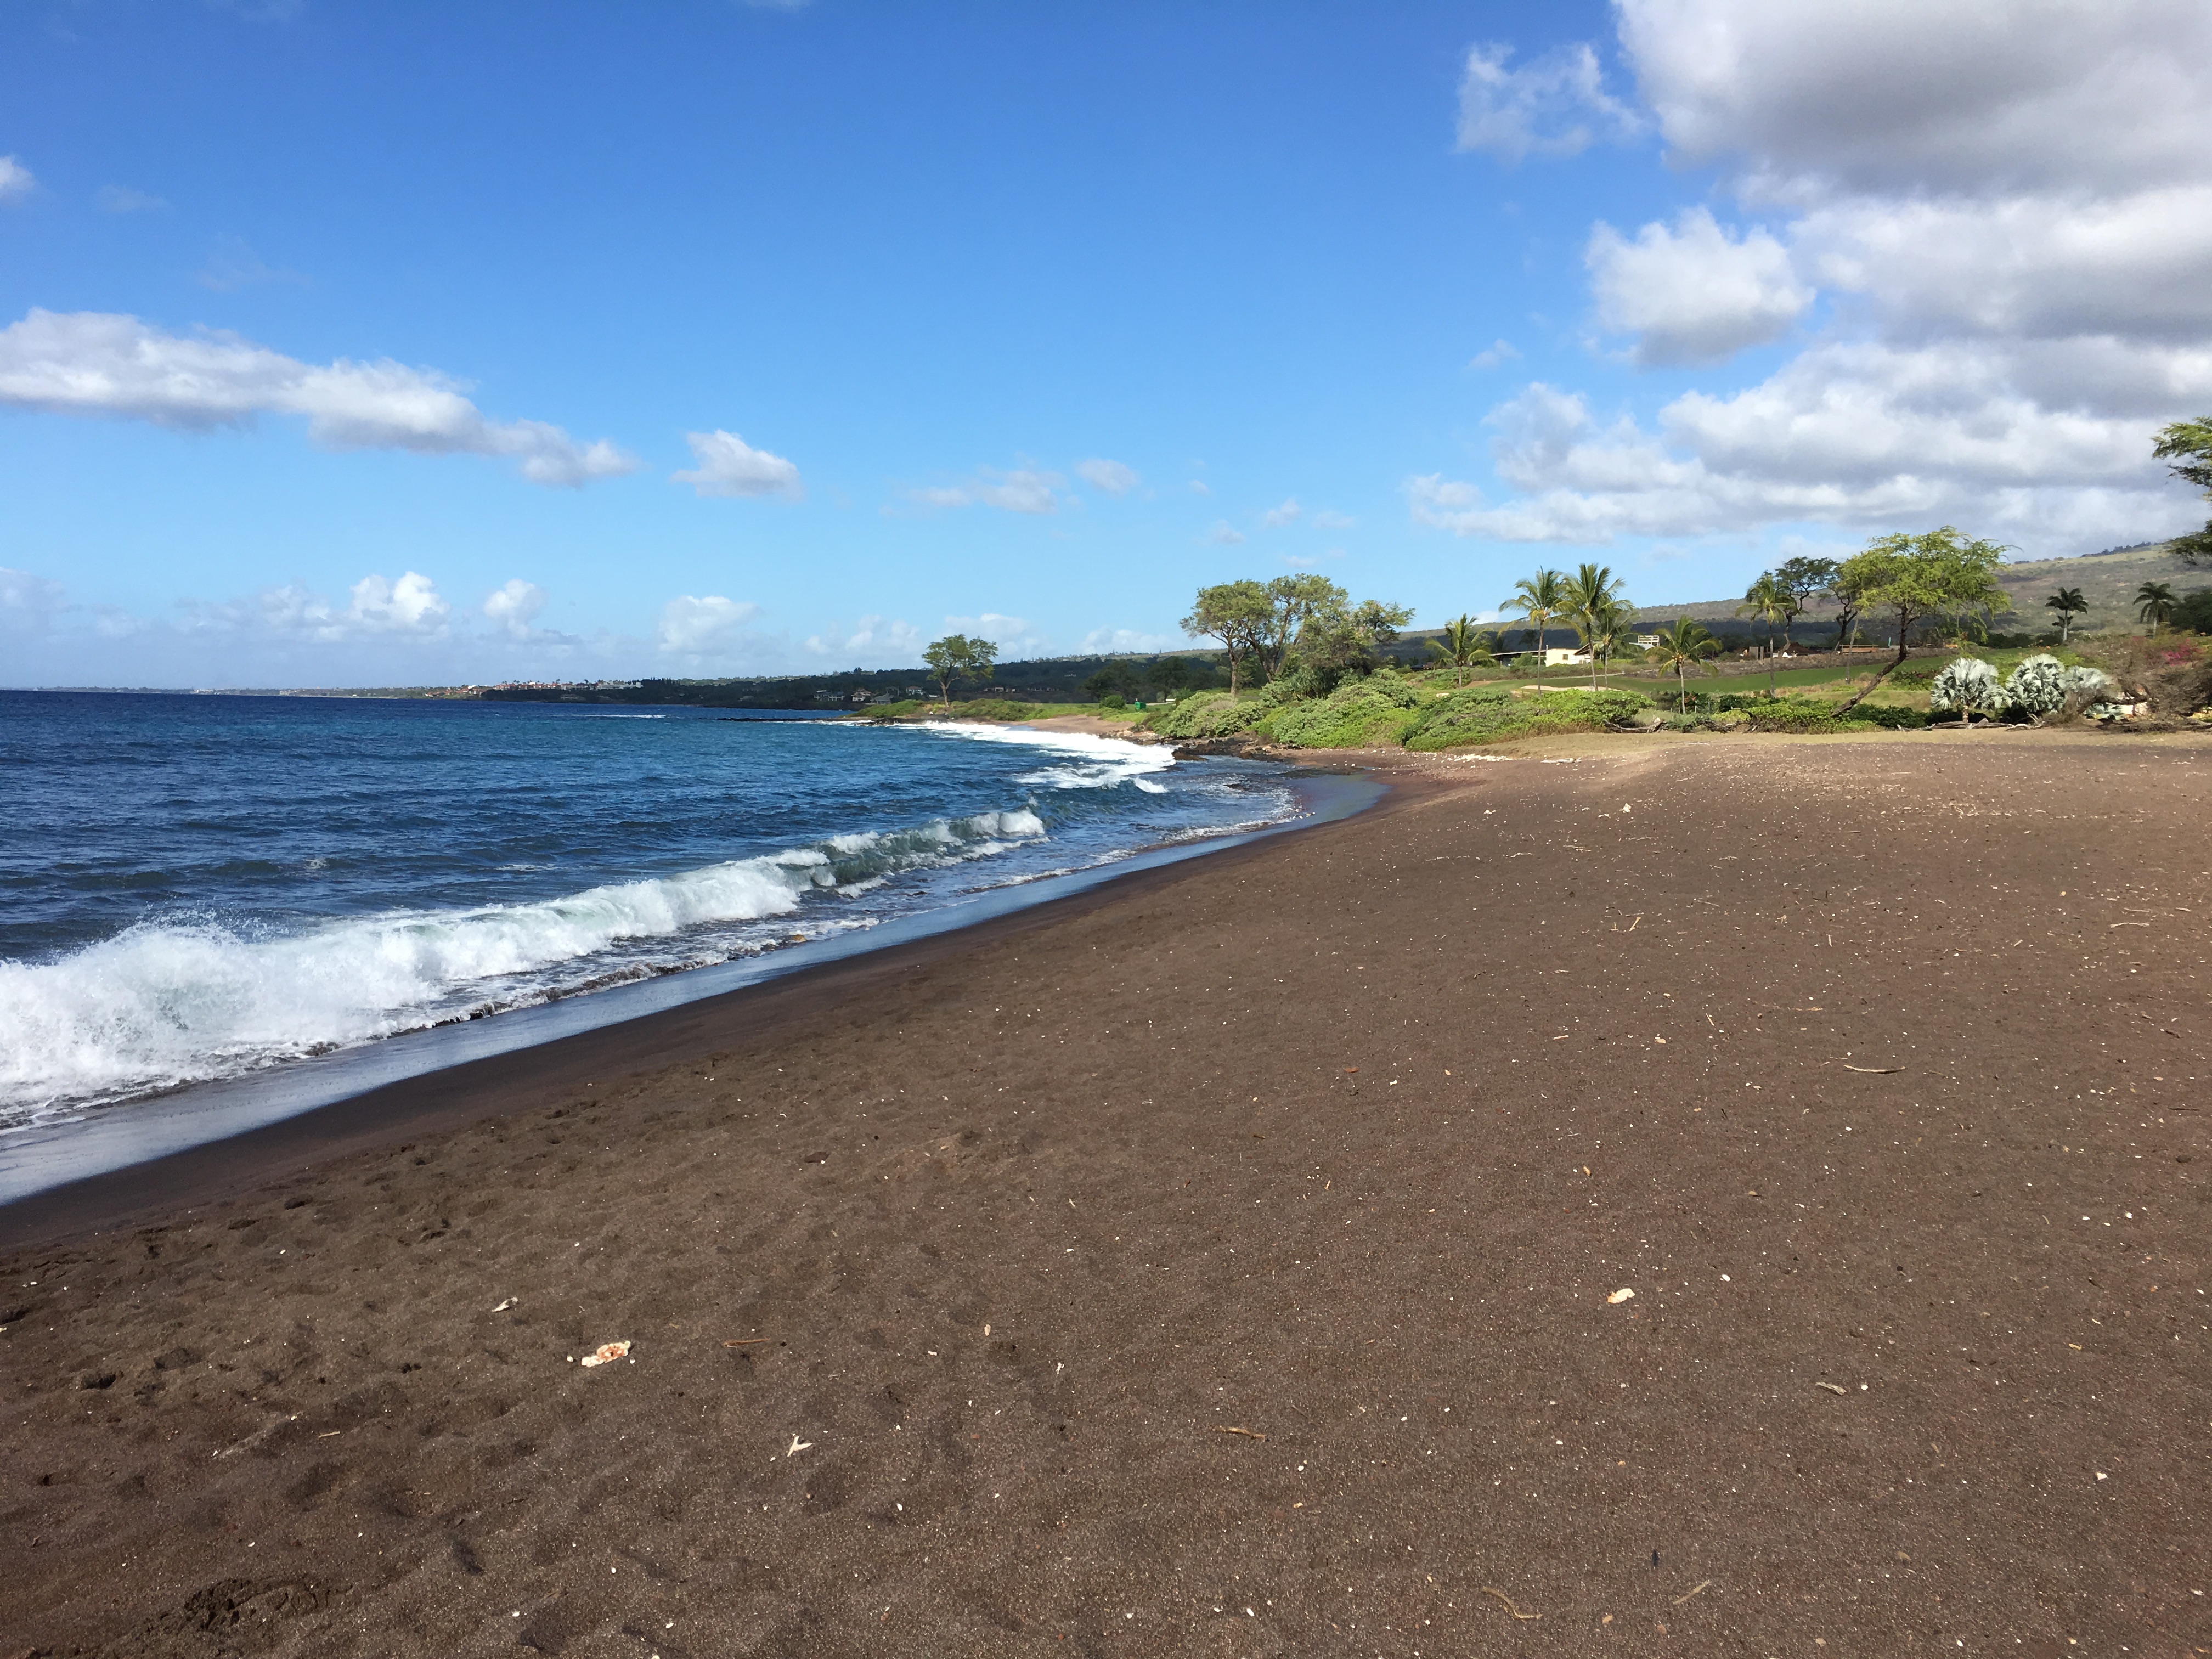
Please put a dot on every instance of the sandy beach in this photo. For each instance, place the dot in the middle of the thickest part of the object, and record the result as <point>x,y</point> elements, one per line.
<point>1232,1261</point>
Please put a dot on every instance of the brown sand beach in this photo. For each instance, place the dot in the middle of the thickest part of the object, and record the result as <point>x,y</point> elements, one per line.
<point>1231,1261</point>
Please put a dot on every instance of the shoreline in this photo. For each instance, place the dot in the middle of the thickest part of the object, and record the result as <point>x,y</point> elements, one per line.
<point>360,1102</point>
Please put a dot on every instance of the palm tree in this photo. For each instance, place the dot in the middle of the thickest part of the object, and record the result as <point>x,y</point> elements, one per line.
<point>1608,627</point>
<point>2155,604</point>
<point>1768,600</point>
<point>1681,648</point>
<point>1591,593</point>
<point>1462,646</point>
<point>2068,603</point>
<point>1540,598</point>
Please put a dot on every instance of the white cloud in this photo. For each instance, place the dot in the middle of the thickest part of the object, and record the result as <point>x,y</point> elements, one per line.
<point>730,466</point>
<point>876,643</point>
<point>28,602</point>
<point>1023,491</point>
<point>513,606</point>
<point>2005,213</point>
<point>16,180</point>
<point>1199,487</point>
<point>1554,105</point>
<point>1329,519</point>
<point>1498,351</point>
<point>1112,477</point>
<point>104,364</point>
<point>1109,642</point>
<point>694,627</point>
<point>1224,534</point>
<point>1013,635</point>
<point>1916,96</point>
<point>121,198</point>
<point>409,605</point>
<point>1693,292</point>
<point>1301,560</point>
<point>1276,517</point>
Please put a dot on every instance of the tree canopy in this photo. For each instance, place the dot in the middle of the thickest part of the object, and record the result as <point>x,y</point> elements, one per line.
<point>958,657</point>
<point>2188,446</point>
<point>1912,578</point>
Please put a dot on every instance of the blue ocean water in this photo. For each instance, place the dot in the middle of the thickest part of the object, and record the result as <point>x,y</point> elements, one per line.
<point>195,887</point>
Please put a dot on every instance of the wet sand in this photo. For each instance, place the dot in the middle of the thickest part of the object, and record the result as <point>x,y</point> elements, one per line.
<point>1061,1286</point>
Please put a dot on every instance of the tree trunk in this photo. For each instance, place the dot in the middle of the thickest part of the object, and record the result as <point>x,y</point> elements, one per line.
<point>1904,621</point>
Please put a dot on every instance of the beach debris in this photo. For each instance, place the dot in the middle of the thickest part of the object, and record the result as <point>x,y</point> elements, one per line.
<point>605,1354</point>
<point>799,1446</point>
<point>1488,1589</point>
<point>747,1341</point>
<point>1624,1294</point>
<point>1871,1070</point>
<point>1250,1434</point>
<point>507,1304</point>
<point>1832,1387</point>
<point>269,1428</point>
<point>1694,1589</point>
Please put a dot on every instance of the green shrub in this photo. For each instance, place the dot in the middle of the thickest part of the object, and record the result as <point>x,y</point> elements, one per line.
<point>1894,719</point>
<point>1488,713</point>
<point>1209,714</point>
<point>994,708</point>
<point>1966,686</point>
<point>1794,715</point>
<point>1358,714</point>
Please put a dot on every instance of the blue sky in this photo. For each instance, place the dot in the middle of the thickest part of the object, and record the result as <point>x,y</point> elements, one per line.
<point>344,344</point>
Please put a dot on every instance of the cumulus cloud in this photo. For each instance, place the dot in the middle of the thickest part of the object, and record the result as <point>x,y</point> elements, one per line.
<point>1013,635</point>
<point>695,626</point>
<point>106,364</point>
<point>1023,491</point>
<point>1199,487</point>
<point>16,180</point>
<point>513,606</point>
<point>2006,216</point>
<point>730,466</point>
<point>378,609</point>
<point>409,605</point>
<point>1329,519</point>
<point>1276,517</point>
<point>1111,477</point>
<point>1224,534</point>
<point>1690,292</point>
<point>28,602</point>
<point>1109,642</point>
<point>876,643</point>
<point>1555,105</point>
<point>1498,352</point>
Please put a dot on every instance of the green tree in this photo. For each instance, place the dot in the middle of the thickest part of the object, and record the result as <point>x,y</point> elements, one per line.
<point>1310,607</point>
<point>1462,645</point>
<point>1804,580</point>
<point>1912,578</point>
<point>1769,601</point>
<point>2188,445</point>
<point>1610,627</point>
<point>2068,603</point>
<point>1684,646</point>
<point>1540,598</point>
<point>1115,680</point>
<point>2155,604</point>
<point>1169,675</point>
<point>1589,596</point>
<point>1239,614</point>
<point>958,657</point>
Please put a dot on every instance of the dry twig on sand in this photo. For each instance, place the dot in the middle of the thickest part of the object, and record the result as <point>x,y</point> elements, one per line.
<point>1692,1590</point>
<point>1510,1607</point>
<point>1250,1434</point>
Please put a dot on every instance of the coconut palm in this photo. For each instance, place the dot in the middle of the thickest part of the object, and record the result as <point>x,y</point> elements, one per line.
<point>2155,604</point>
<point>1540,598</point>
<point>1770,602</point>
<point>1462,646</point>
<point>1591,593</point>
<point>1609,627</point>
<point>2068,603</point>
<point>1683,647</point>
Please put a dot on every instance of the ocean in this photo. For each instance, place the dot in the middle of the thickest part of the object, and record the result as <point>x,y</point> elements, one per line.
<point>196,888</point>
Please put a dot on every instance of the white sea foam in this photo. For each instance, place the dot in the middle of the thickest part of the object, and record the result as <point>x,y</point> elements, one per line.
<point>1086,763</point>
<point>177,1001</point>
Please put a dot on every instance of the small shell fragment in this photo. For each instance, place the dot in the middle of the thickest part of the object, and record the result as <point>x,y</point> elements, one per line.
<point>1624,1294</point>
<point>606,1353</point>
